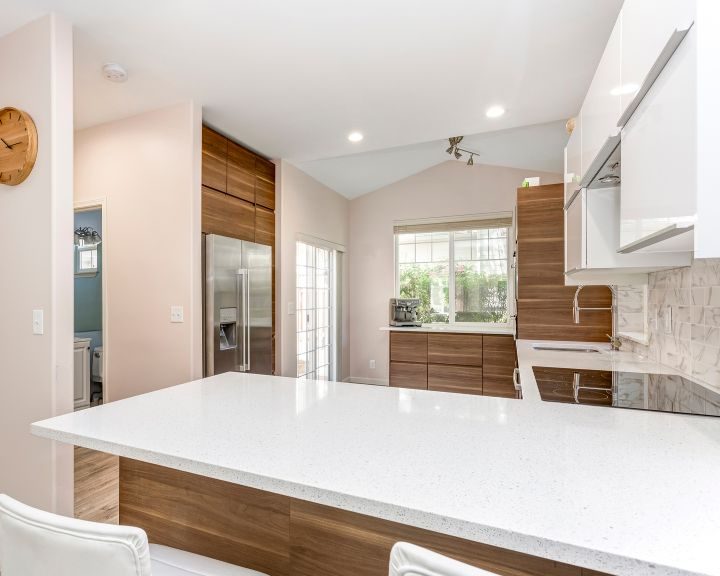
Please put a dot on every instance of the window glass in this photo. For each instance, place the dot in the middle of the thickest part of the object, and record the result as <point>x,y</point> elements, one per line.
<point>472,263</point>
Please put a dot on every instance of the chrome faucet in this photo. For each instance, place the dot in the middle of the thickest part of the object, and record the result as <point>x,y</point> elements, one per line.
<point>615,342</point>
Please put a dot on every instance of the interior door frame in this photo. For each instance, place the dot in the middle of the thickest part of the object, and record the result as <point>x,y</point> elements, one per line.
<point>86,206</point>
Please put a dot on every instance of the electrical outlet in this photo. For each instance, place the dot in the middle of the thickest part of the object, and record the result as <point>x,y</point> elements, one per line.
<point>177,314</point>
<point>372,364</point>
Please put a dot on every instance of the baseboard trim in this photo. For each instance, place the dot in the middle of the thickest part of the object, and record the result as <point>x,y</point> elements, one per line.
<point>372,381</point>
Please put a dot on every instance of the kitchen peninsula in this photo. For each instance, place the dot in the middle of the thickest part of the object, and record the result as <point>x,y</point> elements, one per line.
<point>303,477</point>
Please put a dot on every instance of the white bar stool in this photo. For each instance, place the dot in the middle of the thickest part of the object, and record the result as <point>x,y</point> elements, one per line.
<point>37,543</point>
<point>410,560</point>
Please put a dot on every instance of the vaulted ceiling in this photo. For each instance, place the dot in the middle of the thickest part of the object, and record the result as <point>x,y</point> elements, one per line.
<point>292,78</point>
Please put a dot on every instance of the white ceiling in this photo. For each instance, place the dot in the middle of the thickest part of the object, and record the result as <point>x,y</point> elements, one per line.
<point>538,147</point>
<point>292,78</point>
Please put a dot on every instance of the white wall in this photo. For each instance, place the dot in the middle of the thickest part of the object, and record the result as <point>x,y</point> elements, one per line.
<point>36,255</point>
<point>147,170</point>
<point>448,189</point>
<point>309,208</point>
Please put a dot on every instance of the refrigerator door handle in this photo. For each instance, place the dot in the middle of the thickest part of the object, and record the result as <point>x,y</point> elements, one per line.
<point>241,298</point>
<point>246,316</point>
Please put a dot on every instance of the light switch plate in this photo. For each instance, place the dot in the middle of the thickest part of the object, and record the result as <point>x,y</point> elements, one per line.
<point>38,322</point>
<point>291,308</point>
<point>177,314</point>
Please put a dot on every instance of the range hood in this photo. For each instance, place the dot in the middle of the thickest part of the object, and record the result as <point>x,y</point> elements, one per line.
<point>604,172</point>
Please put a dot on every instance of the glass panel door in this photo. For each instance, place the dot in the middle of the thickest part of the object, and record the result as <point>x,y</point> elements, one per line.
<point>314,298</point>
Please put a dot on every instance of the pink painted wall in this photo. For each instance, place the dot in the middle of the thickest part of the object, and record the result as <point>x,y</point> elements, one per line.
<point>147,170</point>
<point>448,189</point>
<point>36,246</point>
<point>306,207</point>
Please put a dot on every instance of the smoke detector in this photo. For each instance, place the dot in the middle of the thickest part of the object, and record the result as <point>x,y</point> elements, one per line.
<point>114,72</point>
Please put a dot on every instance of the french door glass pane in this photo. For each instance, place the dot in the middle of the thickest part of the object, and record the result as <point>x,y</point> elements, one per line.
<point>314,315</point>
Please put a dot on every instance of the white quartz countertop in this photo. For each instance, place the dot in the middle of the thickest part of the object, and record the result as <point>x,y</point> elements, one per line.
<point>621,491</point>
<point>455,329</point>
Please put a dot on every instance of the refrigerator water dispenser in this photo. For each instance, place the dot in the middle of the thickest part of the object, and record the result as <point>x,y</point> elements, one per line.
<point>228,328</point>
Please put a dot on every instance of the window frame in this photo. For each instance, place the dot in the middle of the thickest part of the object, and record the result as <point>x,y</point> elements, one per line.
<point>79,271</point>
<point>451,281</point>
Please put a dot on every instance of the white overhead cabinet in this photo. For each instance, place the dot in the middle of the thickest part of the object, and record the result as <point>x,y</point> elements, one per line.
<point>593,201</point>
<point>602,108</point>
<point>592,234</point>
<point>573,160</point>
<point>659,141</point>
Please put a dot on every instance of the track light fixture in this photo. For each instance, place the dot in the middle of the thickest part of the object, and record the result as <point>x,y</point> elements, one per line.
<point>455,150</point>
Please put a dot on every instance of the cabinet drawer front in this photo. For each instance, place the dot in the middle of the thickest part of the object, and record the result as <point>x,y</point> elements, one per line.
<point>496,385</point>
<point>457,349</point>
<point>240,172</point>
<point>214,160</point>
<point>227,216</point>
<point>408,347</point>
<point>408,375</point>
<point>499,354</point>
<point>463,379</point>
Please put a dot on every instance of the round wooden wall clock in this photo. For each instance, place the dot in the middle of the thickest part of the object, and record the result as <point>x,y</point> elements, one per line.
<point>18,146</point>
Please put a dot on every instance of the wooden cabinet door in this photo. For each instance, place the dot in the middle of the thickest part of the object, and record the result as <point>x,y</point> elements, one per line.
<point>265,183</point>
<point>408,347</point>
<point>227,216</point>
<point>408,375</point>
<point>463,379</point>
<point>264,226</point>
<point>457,349</point>
<point>498,365</point>
<point>240,172</point>
<point>214,160</point>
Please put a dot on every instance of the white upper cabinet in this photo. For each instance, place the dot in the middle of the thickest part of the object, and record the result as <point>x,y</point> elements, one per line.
<point>659,142</point>
<point>573,160</point>
<point>602,105</point>
<point>646,27</point>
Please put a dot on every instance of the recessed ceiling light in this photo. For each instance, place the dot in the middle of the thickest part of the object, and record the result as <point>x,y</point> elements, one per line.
<point>114,72</point>
<point>495,112</point>
<point>624,89</point>
<point>355,136</point>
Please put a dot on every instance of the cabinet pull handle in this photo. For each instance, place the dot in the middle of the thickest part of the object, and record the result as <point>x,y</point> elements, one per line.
<point>516,379</point>
<point>663,58</point>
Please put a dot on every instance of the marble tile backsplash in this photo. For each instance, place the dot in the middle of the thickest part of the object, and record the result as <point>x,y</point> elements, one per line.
<point>683,318</point>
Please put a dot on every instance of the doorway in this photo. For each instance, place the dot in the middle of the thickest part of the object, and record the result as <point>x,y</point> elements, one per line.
<point>316,284</point>
<point>90,304</point>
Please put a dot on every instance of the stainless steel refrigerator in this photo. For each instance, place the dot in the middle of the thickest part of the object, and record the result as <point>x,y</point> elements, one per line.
<point>238,306</point>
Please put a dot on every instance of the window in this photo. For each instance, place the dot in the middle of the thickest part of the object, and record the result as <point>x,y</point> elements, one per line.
<point>466,260</point>
<point>86,260</point>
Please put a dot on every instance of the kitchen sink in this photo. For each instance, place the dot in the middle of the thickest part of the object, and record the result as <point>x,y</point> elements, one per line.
<point>565,348</point>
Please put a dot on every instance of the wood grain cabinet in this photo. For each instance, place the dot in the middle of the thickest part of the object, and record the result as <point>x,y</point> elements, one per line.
<point>241,172</point>
<point>499,361</point>
<point>265,183</point>
<point>408,347</point>
<point>463,379</point>
<point>214,160</point>
<point>264,226</point>
<point>238,194</point>
<point>224,215</point>
<point>453,362</point>
<point>459,349</point>
<point>409,375</point>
